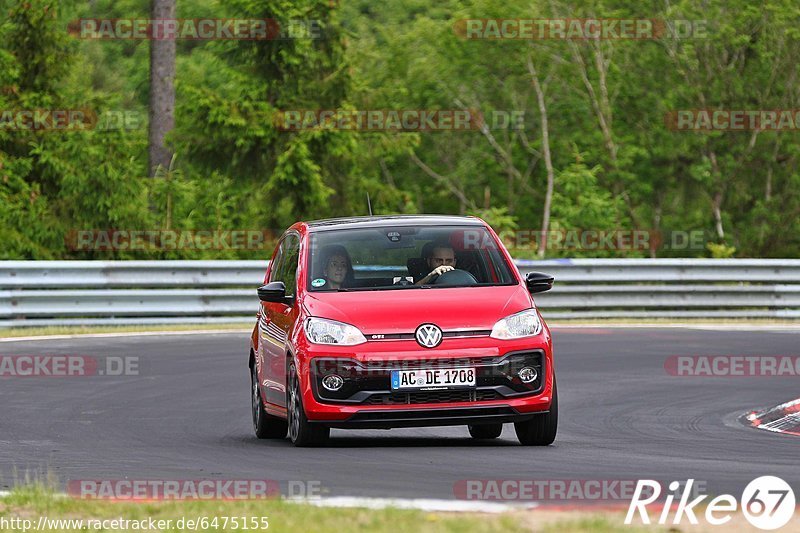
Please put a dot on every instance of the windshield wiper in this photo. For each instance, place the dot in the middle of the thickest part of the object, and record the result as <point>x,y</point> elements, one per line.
<point>381,288</point>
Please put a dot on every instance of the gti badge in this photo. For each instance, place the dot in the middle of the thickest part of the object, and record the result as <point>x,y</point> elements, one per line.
<point>428,335</point>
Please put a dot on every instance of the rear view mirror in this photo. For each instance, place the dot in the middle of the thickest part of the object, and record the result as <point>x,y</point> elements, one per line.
<point>538,282</point>
<point>273,292</point>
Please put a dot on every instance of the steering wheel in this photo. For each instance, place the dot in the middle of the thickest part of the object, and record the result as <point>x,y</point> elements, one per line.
<point>454,278</point>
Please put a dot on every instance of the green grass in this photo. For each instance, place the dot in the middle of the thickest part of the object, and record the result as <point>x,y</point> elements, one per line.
<point>282,516</point>
<point>31,502</point>
<point>595,524</point>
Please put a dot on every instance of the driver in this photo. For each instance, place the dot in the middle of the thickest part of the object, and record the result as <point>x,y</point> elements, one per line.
<point>441,259</point>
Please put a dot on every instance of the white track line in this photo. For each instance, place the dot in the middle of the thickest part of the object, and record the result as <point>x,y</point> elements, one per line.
<point>739,327</point>
<point>786,405</point>
<point>682,325</point>
<point>421,504</point>
<point>789,328</point>
<point>122,334</point>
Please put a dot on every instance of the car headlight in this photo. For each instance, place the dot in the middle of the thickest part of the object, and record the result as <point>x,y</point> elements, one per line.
<point>524,324</point>
<point>323,331</point>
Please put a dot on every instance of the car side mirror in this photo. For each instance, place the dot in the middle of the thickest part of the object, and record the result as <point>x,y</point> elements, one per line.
<point>274,292</point>
<point>538,282</point>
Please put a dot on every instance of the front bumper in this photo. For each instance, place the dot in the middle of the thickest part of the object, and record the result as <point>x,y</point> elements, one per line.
<point>499,397</point>
<point>421,417</point>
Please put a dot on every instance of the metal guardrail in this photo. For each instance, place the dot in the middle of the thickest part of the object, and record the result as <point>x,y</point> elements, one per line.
<point>25,275</point>
<point>36,293</point>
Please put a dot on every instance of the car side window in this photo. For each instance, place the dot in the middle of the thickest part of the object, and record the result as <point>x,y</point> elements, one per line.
<point>288,268</point>
<point>275,268</point>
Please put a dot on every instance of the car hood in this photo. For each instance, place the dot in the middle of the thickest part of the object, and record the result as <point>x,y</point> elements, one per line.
<point>402,310</point>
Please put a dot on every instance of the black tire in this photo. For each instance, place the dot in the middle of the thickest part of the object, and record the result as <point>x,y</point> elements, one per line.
<point>485,431</point>
<point>540,430</point>
<point>302,433</point>
<point>265,426</point>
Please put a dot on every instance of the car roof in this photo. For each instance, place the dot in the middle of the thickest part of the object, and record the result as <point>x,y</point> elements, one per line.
<point>396,220</point>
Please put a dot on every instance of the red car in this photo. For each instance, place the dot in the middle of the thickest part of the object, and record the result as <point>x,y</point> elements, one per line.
<point>400,321</point>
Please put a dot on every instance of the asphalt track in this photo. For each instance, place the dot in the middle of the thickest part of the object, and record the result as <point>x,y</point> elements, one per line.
<point>187,416</point>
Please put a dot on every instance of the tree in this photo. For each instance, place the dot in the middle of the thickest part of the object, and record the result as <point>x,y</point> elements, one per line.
<point>162,89</point>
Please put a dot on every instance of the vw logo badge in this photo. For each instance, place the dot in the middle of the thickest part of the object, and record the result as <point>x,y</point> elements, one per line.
<point>428,335</point>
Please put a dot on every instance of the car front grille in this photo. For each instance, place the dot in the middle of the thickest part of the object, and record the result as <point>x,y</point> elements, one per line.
<point>369,382</point>
<point>413,364</point>
<point>443,396</point>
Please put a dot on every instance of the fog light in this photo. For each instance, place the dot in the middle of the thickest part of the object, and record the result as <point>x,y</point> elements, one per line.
<point>332,382</point>
<point>528,374</point>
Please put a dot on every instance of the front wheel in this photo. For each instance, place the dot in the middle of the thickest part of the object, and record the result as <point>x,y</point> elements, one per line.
<point>302,432</point>
<point>541,429</point>
<point>264,425</point>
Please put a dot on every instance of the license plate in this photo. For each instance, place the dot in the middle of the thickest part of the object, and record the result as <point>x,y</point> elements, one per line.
<point>440,378</point>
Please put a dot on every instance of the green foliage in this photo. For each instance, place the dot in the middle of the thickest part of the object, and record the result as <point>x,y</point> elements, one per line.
<point>498,218</point>
<point>39,47</point>
<point>616,165</point>
<point>581,203</point>
<point>720,251</point>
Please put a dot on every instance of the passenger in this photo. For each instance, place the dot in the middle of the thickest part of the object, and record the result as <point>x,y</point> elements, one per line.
<point>338,269</point>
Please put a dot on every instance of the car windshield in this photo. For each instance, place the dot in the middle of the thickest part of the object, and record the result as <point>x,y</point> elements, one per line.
<point>403,257</point>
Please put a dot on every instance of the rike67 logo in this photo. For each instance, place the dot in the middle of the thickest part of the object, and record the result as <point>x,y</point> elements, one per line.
<point>768,503</point>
